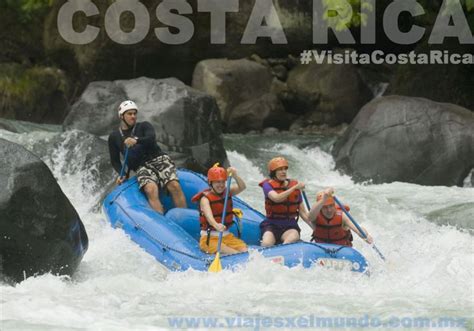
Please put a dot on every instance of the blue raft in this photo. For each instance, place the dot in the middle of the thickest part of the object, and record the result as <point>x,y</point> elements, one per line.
<point>173,238</point>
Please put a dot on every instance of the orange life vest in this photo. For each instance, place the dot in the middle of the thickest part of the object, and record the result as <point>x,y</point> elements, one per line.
<point>287,209</point>
<point>217,206</point>
<point>331,231</point>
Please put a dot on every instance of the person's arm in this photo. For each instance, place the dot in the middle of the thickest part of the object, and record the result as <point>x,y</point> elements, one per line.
<point>319,204</point>
<point>114,152</point>
<point>240,186</point>
<point>305,215</point>
<point>147,135</point>
<point>348,224</point>
<point>280,197</point>
<point>207,211</point>
<point>313,213</point>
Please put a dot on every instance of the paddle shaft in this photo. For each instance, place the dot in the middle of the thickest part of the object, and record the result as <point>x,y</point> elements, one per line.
<point>306,202</point>
<point>124,165</point>
<point>362,232</point>
<point>227,191</point>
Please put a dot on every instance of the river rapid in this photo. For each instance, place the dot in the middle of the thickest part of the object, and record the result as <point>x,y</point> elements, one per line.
<point>424,232</point>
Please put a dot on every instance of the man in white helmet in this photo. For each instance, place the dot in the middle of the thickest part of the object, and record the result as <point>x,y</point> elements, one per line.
<point>153,167</point>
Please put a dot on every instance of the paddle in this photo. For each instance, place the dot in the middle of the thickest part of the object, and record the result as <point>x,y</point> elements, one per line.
<point>357,226</point>
<point>216,265</point>
<point>124,165</point>
<point>306,202</point>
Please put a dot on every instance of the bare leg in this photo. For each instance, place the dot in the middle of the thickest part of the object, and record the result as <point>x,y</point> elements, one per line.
<point>151,191</point>
<point>228,250</point>
<point>268,239</point>
<point>290,236</point>
<point>176,194</point>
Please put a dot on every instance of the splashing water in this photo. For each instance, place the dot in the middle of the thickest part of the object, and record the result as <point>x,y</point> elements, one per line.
<point>428,273</point>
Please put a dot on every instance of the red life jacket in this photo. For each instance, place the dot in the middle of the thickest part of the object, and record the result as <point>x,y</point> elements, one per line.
<point>331,231</point>
<point>287,209</point>
<point>217,206</point>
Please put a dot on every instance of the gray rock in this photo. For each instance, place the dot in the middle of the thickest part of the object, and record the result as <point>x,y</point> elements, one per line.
<point>96,110</point>
<point>40,229</point>
<point>337,91</point>
<point>232,82</point>
<point>280,72</point>
<point>410,140</point>
<point>259,60</point>
<point>186,121</point>
<point>256,114</point>
<point>270,131</point>
<point>279,88</point>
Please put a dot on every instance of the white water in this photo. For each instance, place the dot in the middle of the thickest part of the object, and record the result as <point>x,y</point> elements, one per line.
<point>429,269</point>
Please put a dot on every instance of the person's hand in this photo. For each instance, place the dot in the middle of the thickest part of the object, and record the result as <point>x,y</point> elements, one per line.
<point>300,186</point>
<point>220,227</point>
<point>329,191</point>
<point>369,239</point>
<point>130,142</point>
<point>120,180</point>
<point>232,171</point>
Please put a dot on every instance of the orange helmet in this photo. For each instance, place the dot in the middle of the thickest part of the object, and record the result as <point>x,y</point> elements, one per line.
<point>329,201</point>
<point>277,162</point>
<point>216,173</point>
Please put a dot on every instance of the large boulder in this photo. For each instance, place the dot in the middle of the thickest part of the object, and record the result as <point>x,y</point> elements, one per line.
<point>40,229</point>
<point>410,140</point>
<point>187,121</point>
<point>326,93</point>
<point>72,156</point>
<point>256,114</point>
<point>232,82</point>
<point>96,110</point>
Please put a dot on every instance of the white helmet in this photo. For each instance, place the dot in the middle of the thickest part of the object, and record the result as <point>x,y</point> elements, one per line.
<point>125,106</point>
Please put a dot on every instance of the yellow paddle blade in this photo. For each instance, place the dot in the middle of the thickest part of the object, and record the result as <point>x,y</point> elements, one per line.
<point>216,264</point>
<point>238,212</point>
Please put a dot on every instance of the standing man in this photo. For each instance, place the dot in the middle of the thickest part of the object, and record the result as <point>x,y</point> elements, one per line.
<point>154,168</point>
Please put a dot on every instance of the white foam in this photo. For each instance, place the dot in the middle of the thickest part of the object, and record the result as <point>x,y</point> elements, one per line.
<point>429,268</point>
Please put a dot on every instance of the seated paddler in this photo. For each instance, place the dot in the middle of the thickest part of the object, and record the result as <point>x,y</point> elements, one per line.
<point>211,206</point>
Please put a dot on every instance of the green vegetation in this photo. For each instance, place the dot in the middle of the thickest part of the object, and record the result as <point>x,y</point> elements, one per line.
<point>338,9</point>
<point>22,87</point>
<point>27,10</point>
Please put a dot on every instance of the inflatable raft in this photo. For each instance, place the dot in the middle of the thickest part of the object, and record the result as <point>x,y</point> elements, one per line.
<point>173,238</point>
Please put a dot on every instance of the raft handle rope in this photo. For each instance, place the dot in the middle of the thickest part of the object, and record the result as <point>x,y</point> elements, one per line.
<point>330,251</point>
<point>121,191</point>
<point>164,246</point>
